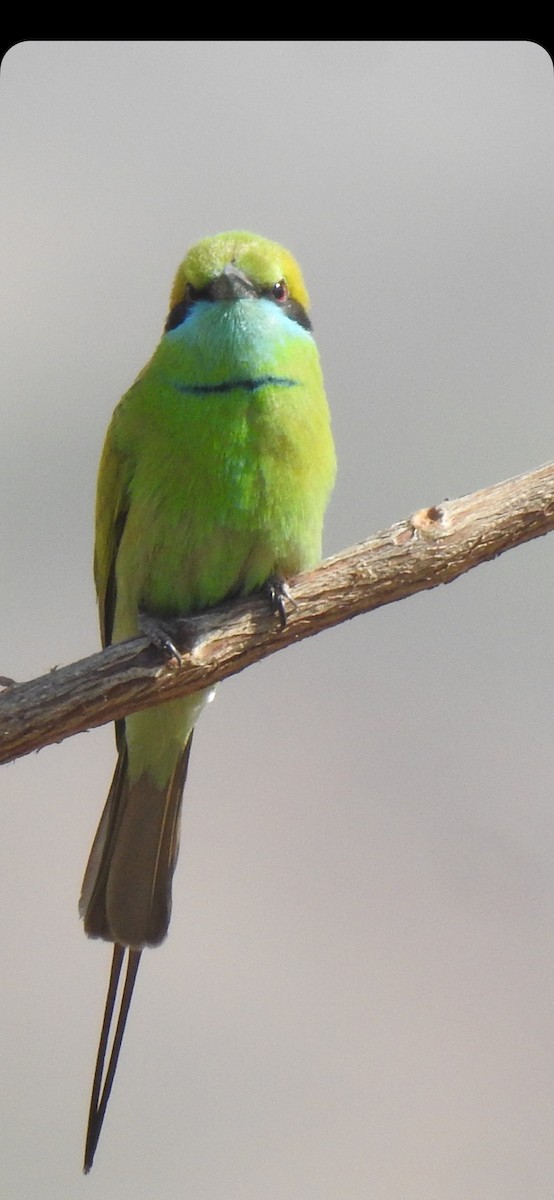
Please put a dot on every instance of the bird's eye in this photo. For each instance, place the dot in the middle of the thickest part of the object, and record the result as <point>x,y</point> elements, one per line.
<point>280,292</point>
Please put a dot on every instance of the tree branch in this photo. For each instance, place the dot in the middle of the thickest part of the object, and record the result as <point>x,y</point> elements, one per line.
<point>435,545</point>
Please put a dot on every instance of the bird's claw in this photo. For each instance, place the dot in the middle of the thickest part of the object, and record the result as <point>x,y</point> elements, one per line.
<point>160,635</point>
<point>277,591</point>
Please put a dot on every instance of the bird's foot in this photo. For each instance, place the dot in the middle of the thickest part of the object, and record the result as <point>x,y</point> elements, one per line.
<point>277,591</point>
<point>160,633</point>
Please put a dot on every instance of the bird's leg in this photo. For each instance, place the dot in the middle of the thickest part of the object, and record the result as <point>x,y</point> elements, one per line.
<point>277,591</point>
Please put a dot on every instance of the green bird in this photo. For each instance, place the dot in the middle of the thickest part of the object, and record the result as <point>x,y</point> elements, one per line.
<point>214,478</point>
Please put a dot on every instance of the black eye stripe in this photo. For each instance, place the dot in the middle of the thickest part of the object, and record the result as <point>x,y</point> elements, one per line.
<point>177,315</point>
<point>296,312</point>
<point>181,310</point>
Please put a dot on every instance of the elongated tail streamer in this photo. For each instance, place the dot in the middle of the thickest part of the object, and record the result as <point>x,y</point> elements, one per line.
<point>101,1090</point>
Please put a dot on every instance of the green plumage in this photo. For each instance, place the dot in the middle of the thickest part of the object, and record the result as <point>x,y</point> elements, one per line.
<point>215,475</point>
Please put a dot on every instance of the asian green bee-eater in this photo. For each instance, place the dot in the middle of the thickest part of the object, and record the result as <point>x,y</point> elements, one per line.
<point>214,478</point>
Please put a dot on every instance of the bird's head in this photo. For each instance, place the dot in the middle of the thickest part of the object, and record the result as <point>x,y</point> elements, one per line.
<point>238,266</point>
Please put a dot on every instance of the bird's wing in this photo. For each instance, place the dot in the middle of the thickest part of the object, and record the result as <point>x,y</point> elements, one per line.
<point>112,506</point>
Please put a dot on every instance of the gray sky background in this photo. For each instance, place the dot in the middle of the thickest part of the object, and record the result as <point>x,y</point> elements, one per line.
<point>356,995</point>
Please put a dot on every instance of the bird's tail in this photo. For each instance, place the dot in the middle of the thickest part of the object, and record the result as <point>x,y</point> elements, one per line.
<point>126,892</point>
<point>126,897</point>
<point>102,1083</point>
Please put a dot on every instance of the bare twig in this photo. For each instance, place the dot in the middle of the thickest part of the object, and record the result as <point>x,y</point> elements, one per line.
<point>435,545</point>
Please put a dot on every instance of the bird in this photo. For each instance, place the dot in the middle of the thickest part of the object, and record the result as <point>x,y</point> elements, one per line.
<point>216,471</point>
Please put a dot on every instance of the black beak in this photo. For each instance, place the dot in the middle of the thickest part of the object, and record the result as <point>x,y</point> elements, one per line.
<point>232,284</point>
